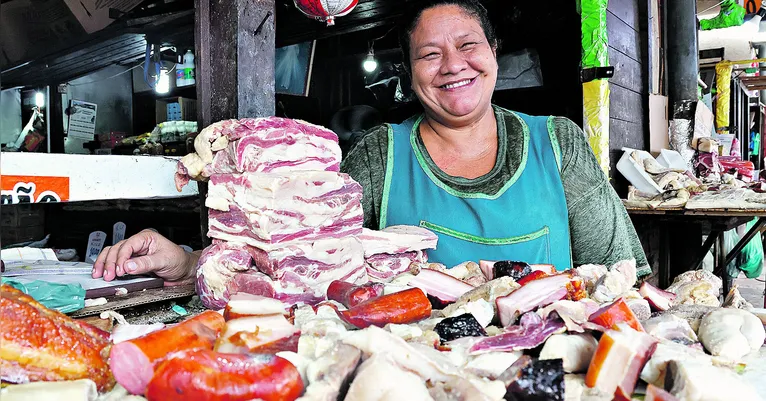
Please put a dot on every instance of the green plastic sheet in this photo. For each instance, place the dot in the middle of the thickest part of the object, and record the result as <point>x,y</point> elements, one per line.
<point>64,298</point>
<point>595,42</point>
<point>750,259</point>
<point>732,14</point>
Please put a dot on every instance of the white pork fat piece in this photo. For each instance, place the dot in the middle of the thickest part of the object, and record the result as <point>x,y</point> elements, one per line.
<point>575,314</point>
<point>655,369</point>
<point>672,328</point>
<point>381,379</point>
<point>272,210</point>
<point>260,145</point>
<point>327,375</point>
<point>691,381</point>
<point>590,275</point>
<point>576,351</point>
<point>731,333</point>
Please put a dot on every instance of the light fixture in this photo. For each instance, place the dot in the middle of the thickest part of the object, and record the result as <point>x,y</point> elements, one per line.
<point>370,64</point>
<point>39,100</point>
<point>163,82</point>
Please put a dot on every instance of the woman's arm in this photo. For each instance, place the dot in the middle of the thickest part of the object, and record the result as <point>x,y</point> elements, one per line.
<point>601,230</point>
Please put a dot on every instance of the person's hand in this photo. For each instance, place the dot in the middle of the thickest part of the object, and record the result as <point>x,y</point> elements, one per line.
<point>146,252</point>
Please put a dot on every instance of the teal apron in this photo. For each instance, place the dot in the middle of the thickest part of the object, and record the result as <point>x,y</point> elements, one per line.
<point>526,220</point>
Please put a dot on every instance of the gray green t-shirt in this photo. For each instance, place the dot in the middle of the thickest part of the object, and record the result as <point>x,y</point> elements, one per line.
<point>601,230</point>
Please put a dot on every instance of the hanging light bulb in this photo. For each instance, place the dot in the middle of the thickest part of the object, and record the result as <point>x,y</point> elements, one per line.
<point>163,82</point>
<point>39,100</point>
<point>370,64</point>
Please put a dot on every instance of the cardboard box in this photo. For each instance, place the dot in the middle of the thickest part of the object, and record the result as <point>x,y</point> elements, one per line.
<point>166,109</point>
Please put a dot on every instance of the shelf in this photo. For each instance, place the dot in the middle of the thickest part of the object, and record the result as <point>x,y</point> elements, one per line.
<point>41,177</point>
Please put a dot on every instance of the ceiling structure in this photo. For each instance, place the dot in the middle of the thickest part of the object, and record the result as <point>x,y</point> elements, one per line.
<point>123,42</point>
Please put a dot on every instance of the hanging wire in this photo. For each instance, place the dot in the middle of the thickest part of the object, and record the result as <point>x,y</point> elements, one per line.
<point>710,8</point>
<point>118,74</point>
<point>110,77</point>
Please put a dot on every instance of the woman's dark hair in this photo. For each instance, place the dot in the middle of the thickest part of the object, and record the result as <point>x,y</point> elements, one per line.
<point>471,7</point>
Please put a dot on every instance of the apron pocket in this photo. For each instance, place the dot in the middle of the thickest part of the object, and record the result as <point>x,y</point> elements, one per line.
<point>538,239</point>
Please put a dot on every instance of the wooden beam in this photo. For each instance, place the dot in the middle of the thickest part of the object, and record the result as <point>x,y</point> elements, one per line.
<point>235,65</point>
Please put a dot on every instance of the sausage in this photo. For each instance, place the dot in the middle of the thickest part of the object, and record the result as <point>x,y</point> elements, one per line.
<point>132,362</point>
<point>351,295</point>
<point>205,375</point>
<point>403,307</point>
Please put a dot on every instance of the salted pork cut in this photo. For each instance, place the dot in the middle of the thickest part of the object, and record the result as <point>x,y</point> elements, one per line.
<point>618,360</point>
<point>390,251</point>
<point>300,272</point>
<point>379,378</point>
<point>260,145</point>
<point>329,375</point>
<point>531,332</point>
<point>731,333</point>
<point>269,211</point>
<point>537,293</point>
<point>691,381</point>
<point>575,350</point>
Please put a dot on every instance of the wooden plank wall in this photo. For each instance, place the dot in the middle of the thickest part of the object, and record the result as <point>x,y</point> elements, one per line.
<point>628,115</point>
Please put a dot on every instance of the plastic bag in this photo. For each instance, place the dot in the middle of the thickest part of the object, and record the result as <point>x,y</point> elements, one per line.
<point>732,14</point>
<point>730,239</point>
<point>64,298</point>
<point>750,259</point>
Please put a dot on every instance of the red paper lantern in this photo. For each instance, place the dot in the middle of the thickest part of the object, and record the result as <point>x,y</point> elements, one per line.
<point>326,10</point>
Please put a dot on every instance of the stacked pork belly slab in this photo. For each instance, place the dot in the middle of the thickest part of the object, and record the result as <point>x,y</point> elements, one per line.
<point>284,222</point>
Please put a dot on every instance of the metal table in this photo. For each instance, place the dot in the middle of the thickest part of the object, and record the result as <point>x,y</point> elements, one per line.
<point>717,221</point>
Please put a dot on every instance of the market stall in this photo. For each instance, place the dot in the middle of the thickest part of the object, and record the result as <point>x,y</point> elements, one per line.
<point>293,298</point>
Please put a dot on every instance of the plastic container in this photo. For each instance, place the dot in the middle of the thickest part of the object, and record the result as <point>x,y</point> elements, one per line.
<point>636,174</point>
<point>180,72</point>
<point>671,159</point>
<point>189,68</point>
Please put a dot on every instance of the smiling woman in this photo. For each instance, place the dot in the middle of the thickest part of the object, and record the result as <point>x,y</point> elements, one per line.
<point>492,183</point>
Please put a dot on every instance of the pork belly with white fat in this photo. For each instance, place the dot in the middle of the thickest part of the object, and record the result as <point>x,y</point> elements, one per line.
<point>618,360</point>
<point>265,145</point>
<point>390,251</point>
<point>268,211</point>
<point>537,293</point>
<point>297,273</point>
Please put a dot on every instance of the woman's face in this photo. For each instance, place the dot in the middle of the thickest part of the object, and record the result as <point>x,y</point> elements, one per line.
<point>454,67</point>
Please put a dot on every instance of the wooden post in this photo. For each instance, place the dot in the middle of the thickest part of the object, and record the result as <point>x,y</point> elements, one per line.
<point>235,47</point>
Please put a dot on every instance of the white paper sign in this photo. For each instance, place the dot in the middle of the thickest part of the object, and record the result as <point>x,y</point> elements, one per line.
<point>82,120</point>
<point>118,232</point>
<point>96,242</point>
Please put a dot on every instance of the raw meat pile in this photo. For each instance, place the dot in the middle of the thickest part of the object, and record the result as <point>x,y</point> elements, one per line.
<point>507,331</point>
<point>284,222</point>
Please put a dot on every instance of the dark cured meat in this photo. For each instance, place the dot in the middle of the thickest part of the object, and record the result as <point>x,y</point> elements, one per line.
<point>205,375</point>
<point>403,307</point>
<point>132,362</point>
<point>351,295</point>
<point>437,303</point>
<point>461,326</point>
<point>515,270</point>
<point>531,379</point>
